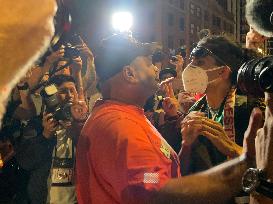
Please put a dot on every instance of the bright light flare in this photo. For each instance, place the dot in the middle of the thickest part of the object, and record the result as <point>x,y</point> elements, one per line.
<point>122,21</point>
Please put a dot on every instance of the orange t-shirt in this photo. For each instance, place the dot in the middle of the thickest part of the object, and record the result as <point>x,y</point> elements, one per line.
<point>120,151</point>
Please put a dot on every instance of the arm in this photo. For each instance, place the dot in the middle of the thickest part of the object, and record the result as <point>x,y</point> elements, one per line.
<point>32,153</point>
<point>264,148</point>
<point>26,109</point>
<point>35,151</point>
<point>77,74</point>
<point>216,185</point>
<point>90,76</point>
<point>185,159</point>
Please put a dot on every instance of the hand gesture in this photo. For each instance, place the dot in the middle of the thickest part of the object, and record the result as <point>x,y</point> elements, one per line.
<point>79,111</point>
<point>191,127</point>
<point>215,132</point>
<point>77,64</point>
<point>170,103</point>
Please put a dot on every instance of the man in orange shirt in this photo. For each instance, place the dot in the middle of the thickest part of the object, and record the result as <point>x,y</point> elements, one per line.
<point>121,158</point>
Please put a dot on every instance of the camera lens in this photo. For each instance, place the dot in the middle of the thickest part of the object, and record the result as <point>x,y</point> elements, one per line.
<point>256,76</point>
<point>266,78</point>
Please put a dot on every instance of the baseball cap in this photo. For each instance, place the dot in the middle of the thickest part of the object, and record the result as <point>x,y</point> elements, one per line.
<point>117,51</point>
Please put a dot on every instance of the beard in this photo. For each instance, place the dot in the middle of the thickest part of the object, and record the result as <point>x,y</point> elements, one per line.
<point>150,85</point>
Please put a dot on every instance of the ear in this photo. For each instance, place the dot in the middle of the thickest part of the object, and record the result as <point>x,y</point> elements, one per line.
<point>129,74</point>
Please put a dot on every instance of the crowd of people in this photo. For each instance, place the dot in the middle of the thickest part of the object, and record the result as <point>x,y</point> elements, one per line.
<point>118,128</point>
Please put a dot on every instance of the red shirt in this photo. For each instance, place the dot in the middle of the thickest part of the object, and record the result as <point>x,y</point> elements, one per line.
<point>119,149</point>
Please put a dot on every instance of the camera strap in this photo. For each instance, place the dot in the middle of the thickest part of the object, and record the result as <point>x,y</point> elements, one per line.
<point>55,69</point>
<point>63,167</point>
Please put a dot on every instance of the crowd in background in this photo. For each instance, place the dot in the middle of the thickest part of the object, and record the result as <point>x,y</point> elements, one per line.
<point>49,106</point>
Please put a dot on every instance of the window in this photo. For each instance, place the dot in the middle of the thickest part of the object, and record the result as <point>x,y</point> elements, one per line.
<point>206,15</point>
<point>214,20</point>
<point>192,9</point>
<point>181,24</point>
<point>231,28</point>
<point>192,28</point>
<point>181,42</point>
<point>223,3</point>
<point>224,25</point>
<point>197,28</point>
<point>218,22</point>
<point>170,42</point>
<point>170,19</point>
<point>182,4</point>
<point>198,11</point>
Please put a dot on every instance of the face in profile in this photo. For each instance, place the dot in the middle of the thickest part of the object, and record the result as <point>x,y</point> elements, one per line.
<point>147,74</point>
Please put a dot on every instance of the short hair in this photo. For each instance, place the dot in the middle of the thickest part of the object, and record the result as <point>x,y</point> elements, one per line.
<point>258,14</point>
<point>60,79</point>
<point>226,50</point>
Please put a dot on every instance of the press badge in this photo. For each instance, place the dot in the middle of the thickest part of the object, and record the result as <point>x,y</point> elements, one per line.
<point>62,176</point>
<point>62,172</point>
<point>165,150</point>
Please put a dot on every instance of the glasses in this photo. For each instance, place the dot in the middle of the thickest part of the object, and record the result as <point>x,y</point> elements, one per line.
<point>200,51</point>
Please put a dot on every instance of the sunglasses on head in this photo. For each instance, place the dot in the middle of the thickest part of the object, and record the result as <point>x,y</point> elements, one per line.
<point>200,51</point>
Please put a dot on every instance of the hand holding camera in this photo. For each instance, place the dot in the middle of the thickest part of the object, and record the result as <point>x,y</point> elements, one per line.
<point>55,56</point>
<point>49,124</point>
<point>76,64</point>
<point>85,51</point>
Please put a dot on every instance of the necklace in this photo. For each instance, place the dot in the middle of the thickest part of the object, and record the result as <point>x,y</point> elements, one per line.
<point>213,112</point>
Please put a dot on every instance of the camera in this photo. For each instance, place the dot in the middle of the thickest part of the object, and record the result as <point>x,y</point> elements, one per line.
<point>71,51</point>
<point>256,76</point>
<point>50,97</point>
<point>71,42</point>
<point>157,57</point>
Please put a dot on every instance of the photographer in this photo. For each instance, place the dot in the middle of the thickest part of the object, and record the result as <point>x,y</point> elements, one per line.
<point>76,60</point>
<point>44,156</point>
<point>260,18</point>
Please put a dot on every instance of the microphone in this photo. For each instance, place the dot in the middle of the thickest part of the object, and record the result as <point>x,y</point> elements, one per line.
<point>259,15</point>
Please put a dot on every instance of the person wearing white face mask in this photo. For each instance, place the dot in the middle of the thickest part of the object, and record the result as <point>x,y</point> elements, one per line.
<point>213,130</point>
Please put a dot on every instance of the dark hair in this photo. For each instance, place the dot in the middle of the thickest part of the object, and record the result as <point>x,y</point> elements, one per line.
<point>258,13</point>
<point>228,51</point>
<point>60,79</point>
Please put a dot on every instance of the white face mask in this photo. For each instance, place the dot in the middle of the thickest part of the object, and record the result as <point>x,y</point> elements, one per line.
<point>195,79</point>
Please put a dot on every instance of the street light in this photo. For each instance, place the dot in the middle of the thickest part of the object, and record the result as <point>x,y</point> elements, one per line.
<point>122,21</point>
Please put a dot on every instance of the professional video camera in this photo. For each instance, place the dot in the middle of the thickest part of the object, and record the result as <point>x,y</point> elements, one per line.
<point>53,105</point>
<point>256,76</point>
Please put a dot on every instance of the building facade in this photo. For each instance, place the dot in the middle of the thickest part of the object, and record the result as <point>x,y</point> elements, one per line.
<point>177,23</point>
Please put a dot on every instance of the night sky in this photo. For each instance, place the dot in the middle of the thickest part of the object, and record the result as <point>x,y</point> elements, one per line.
<point>92,18</point>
